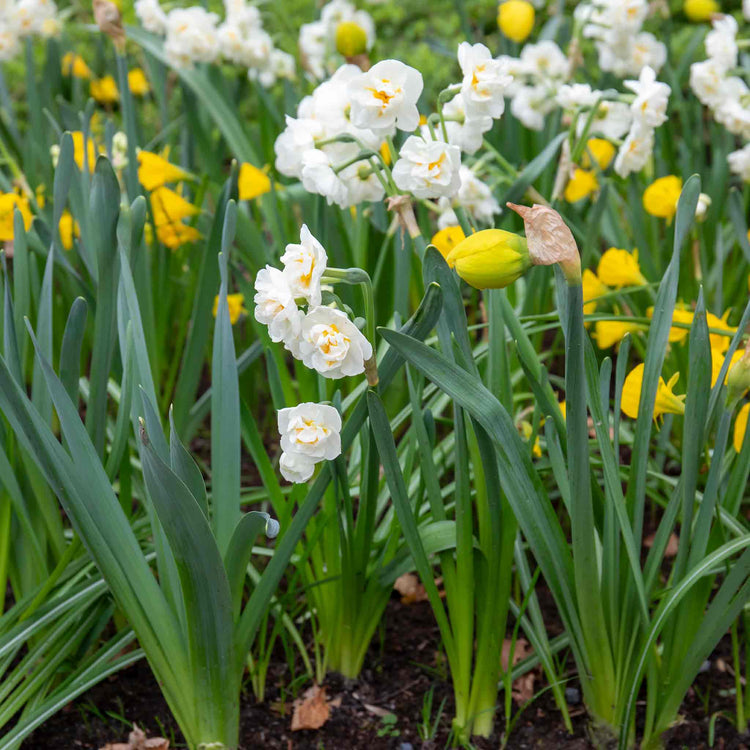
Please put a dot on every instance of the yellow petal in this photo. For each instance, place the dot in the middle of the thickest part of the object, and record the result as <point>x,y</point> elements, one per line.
<point>252,182</point>
<point>740,426</point>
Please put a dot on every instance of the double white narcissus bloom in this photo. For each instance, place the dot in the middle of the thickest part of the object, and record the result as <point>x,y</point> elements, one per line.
<point>651,97</point>
<point>331,344</point>
<point>310,433</point>
<point>428,169</point>
<point>275,307</point>
<point>484,81</point>
<point>304,265</point>
<point>385,97</point>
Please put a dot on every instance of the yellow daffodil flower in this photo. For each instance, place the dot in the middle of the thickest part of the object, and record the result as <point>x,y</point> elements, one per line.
<point>138,83</point>
<point>680,315</point>
<point>351,39</point>
<point>581,185</point>
<point>177,234</point>
<point>155,171</point>
<point>252,182</point>
<point>235,303</point>
<point>104,90</point>
<point>618,268</point>
<point>666,400</point>
<point>740,426</point>
<point>490,259</point>
<point>8,204</point>
<point>661,196</point>
<point>74,65</point>
<point>515,18</point>
<point>601,150</point>
<point>700,10</point>
<point>526,431</point>
<point>719,341</point>
<point>169,207</point>
<point>608,333</point>
<point>68,229</point>
<point>446,239</point>
<point>564,408</point>
<point>78,151</point>
<point>592,288</point>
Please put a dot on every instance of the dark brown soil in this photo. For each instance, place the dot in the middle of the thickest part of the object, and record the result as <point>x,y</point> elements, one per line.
<point>401,667</point>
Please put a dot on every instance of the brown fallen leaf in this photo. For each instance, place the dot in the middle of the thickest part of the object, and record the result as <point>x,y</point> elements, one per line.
<point>523,688</point>
<point>312,710</point>
<point>410,588</point>
<point>137,741</point>
<point>673,544</point>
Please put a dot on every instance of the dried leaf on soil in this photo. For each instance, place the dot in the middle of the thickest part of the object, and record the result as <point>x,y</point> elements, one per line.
<point>137,741</point>
<point>523,688</point>
<point>312,710</point>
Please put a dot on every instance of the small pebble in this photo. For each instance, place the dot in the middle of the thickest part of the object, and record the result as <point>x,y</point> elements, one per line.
<point>572,696</point>
<point>407,746</point>
<point>705,667</point>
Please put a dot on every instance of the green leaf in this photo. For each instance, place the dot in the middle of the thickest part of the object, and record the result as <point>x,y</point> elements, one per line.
<point>225,406</point>
<point>70,351</point>
<point>207,597</point>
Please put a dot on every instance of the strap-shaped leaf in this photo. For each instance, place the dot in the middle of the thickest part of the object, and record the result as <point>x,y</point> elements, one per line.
<point>206,593</point>
<point>225,405</point>
<point>240,548</point>
<point>658,339</point>
<point>70,351</point>
<point>185,467</point>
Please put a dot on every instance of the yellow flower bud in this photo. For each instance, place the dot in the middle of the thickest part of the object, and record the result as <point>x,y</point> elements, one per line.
<point>490,259</point>
<point>446,239</point>
<point>580,185</point>
<point>700,10</point>
<point>738,378</point>
<point>661,196</point>
<point>515,18</point>
<point>351,39</point>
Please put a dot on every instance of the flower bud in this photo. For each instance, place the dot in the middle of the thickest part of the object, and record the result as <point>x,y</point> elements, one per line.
<point>550,240</point>
<point>516,19</point>
<point>490,259</point>
<point>738,379</point>
<point>351,39</point>
<point>699,11</point>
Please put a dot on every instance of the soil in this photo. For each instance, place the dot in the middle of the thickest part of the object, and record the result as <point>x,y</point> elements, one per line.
<point>403,664</point>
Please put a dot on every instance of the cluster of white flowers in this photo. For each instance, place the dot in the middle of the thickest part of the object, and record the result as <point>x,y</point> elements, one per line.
<point>474,196</point>
<point>323,337</point>
<point>310,433</point>
<point>536,77</point>
<point>361,109</point>
<point>25,18</point>
<point>725,94</point>
<point>649,110</point>
<point>318,40</point>
<point>193,35</point>
<point>616,28</point>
